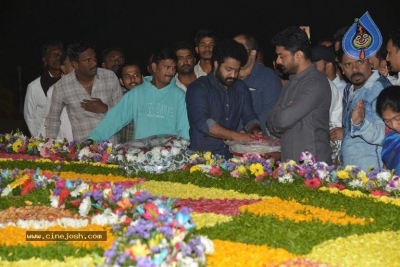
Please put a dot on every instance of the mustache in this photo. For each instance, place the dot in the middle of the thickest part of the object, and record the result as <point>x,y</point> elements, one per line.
<point>279,67</point>
<point>355,74</point>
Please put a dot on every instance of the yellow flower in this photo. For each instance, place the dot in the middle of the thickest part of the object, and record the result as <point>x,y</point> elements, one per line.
<point>33,144</point>
<point>19,181</point>
<point>234,160</point>
<point>349,168</point>
<point>207,155</point>
<point>343,174</point>
<point>194,156</point>
<point>256,169</point>
<point>155,240</point>
<point>195,168</point>
<point>242,170</point>
<point>109,149</point>
<point>140,250</point>
<point>17,144</point>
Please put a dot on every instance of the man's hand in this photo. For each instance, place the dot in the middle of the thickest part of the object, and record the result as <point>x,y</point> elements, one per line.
<point>94,105</point>
<point>336,134</point>
<point>358,114</point>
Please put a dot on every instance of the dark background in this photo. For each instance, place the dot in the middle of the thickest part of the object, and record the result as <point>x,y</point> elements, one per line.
<point>140,27</point>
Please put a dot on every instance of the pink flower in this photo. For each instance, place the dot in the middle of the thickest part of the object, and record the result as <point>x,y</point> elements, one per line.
<point>215,171</point>
<point>313,183</point>
<point>104,158</point>
<point>261,176</point>
<point>379,193</point>
<point>235,173</point>
<point>60,184</point>
<point>338,186</point>
<point>45,151</point>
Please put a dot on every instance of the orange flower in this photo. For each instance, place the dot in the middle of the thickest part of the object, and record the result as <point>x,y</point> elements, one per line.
<point>125,203</point>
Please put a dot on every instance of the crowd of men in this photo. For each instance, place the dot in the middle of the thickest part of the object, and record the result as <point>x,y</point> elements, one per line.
<point>317,98</point>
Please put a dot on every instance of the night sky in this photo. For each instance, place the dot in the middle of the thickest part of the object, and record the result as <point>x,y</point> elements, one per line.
<point>140,27</point>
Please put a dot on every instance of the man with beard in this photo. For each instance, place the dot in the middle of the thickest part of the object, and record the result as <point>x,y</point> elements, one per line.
<point>185,65</point>
<point>35,98</point>
<point>217,102</point>
<point>205,40</point>
<point>263,82</point>
<point>157,106</point>
<point>393,55</point>
<point>301,115</point>
<point>87,93</point>
<point>363,130</point>
<point>130,75</point>
<point>113,57</point>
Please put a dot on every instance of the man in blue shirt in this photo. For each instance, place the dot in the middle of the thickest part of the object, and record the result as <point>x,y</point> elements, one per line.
<point>217,102</point>
<point>264,84</point>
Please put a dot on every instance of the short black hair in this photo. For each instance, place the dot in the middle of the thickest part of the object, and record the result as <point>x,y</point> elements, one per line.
<point>183,45</point>
<point>395,36</point>
<point>204,33</point>
<point>75,49</point>
<point>109,49</point>
<point>329,39</point>
<point>49,43</point>
<point>381,54</point>
<point>229,48</point>
<point>293,39</point>
<point>166,53</point>
<point>339,34</point>
<point>133,63</point>
<point>388,98</point>
<point>251,42</point>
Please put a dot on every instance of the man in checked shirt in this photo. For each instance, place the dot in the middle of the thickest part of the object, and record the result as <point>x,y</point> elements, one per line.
<point>87,93</point>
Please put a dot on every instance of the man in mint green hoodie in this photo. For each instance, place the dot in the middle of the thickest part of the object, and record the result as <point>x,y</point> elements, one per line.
<point>157,106</point>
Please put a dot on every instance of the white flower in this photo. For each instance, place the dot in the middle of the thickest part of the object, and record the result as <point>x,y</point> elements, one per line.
<point>84,152</point>
<point>322,174</point>
<point>287,178</point>
<point>7,190</point>
<point>156,151</point>
<point>175,151</point>
<point>85,206</point>
<point>40,146</point>
<point>209,245</point>
<point>128,192</point>
<point>54,202</point>
<point>79,189</point>
<point>130,158</point>
<point>106,191</point>
<point>205,168</point>
<point>165,153</point>
<point>356,184</point>
<point>383,176</point>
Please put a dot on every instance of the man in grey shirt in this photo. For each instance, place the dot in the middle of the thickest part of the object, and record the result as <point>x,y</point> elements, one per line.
<point>301,115</point>
<point>87,93</point>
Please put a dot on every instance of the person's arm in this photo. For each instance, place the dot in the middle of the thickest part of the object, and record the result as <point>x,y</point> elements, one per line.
<point>199,116</point>
<point>370,128</point>
<point>284,116</point>
<point>30,110</point>
<point>53,120</point>
<point>115,119</point>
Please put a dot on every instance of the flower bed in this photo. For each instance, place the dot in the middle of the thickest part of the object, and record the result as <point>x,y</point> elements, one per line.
<point>285,214</point>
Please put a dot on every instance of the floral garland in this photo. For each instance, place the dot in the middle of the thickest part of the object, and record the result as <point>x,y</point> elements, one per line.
<point>314,174</point>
